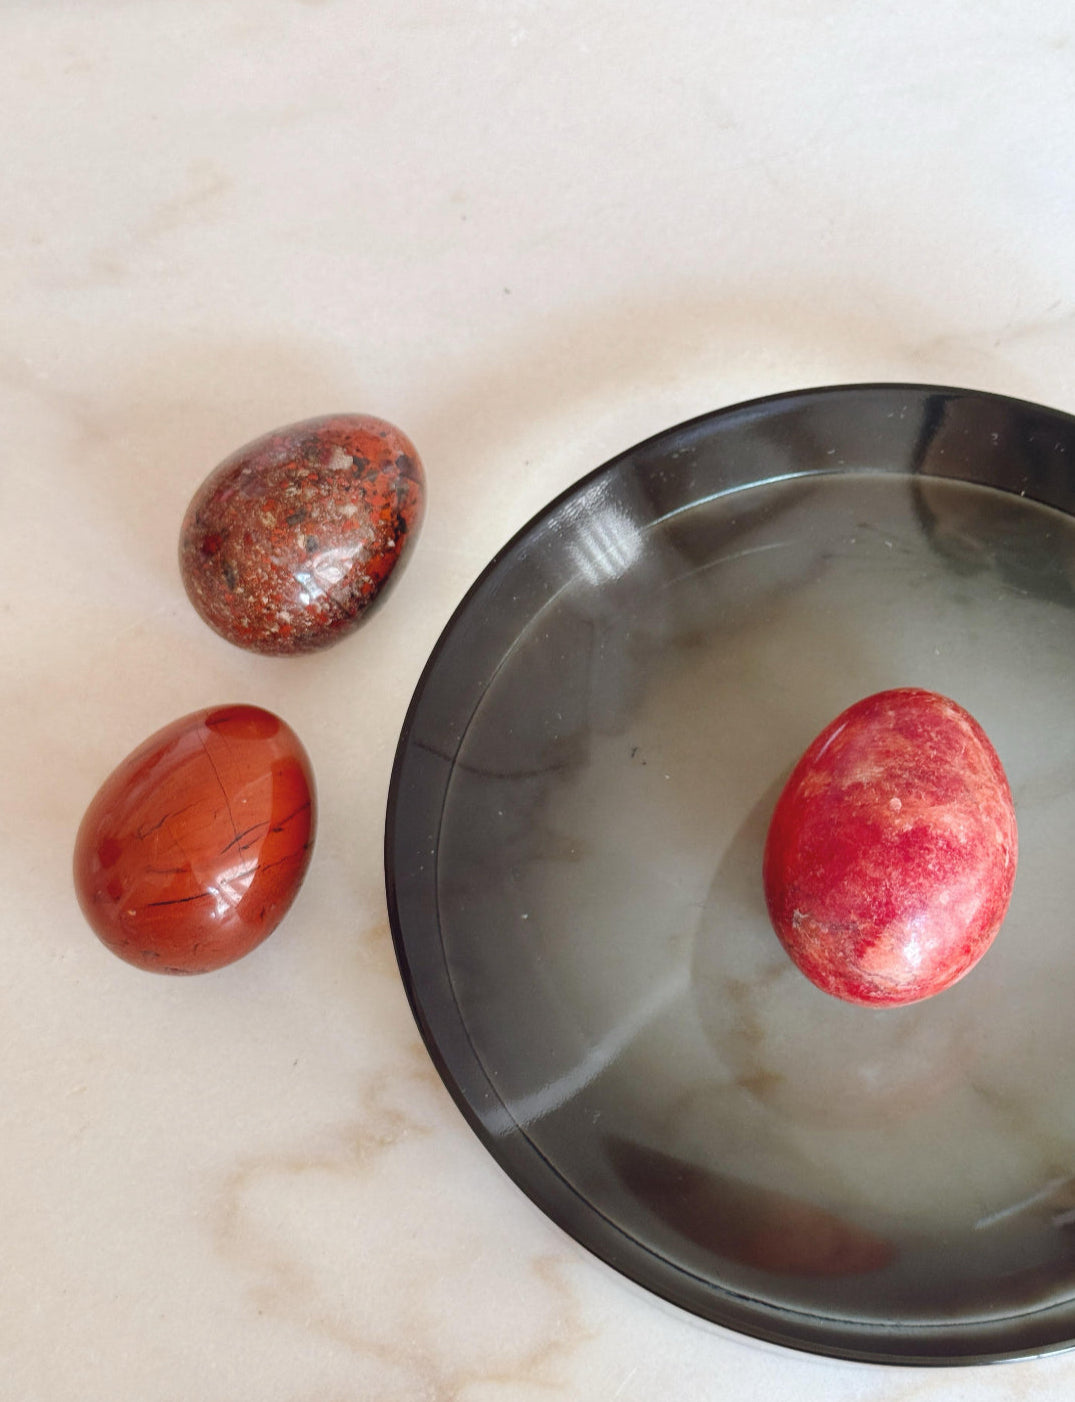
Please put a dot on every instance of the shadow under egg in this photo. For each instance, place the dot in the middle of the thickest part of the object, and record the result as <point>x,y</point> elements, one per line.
<point>804,1054</point>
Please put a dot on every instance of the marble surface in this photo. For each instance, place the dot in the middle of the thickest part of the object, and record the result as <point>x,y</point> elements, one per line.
<point>528,234</point>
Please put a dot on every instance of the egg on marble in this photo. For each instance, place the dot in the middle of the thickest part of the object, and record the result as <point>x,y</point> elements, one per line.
<point>891,853</point>
<point>194,848</point>
<point>290,541</point>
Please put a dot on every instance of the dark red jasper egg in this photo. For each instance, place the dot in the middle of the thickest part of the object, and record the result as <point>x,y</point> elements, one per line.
<point>288,542</point>
<point>195,846</point>
<point>892,849</point>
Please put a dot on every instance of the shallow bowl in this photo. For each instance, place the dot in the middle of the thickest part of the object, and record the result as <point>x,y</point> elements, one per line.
<point>577,814</point>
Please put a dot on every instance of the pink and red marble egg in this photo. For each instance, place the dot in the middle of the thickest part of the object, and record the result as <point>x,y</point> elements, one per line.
<point>892,850</point>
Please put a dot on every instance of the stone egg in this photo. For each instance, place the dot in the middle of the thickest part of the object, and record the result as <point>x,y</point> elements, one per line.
<point>195,846</point>
<point>290,541</point>
<point>891,853</point>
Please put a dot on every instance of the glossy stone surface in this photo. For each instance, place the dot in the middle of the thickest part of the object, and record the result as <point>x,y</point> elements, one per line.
<point>195,846</point>
<point>891,853</point>
<point>288,542</point>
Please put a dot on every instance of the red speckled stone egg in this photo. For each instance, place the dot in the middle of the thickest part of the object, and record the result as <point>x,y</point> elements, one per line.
<point>891,853</point>
<point>288,543</point>
<point>194,848</point>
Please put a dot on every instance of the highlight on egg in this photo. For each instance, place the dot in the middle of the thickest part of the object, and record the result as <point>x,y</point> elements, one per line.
<point>892,850</point>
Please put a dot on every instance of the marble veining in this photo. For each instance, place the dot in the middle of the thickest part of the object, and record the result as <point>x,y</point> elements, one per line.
<point>318,1243</point>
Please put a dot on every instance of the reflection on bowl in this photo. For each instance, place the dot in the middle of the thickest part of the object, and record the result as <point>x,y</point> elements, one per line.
<point>755,1227</point>
<point>787,1043</point>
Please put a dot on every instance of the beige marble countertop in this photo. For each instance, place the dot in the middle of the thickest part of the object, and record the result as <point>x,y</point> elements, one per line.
<point>530,234</point>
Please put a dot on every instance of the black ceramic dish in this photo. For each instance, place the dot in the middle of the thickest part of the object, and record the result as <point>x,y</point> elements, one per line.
<point>577,812</point>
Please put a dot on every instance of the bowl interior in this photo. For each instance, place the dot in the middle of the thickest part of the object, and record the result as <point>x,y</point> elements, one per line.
<point>578,811</point>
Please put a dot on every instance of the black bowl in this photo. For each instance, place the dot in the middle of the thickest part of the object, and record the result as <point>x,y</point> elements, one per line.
<point>577,811</point>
